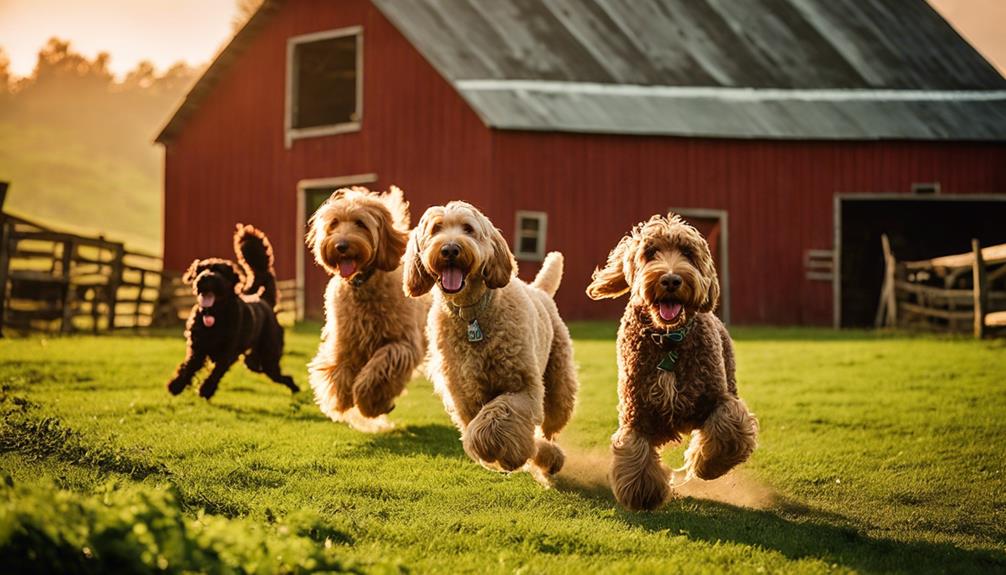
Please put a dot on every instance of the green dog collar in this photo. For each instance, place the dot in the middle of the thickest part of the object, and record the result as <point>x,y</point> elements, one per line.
<point>673,339</point>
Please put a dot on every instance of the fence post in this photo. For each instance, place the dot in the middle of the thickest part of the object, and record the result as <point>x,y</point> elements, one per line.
<point>69,247</point>
<point>113,283</point>
<point>980,289</point>
<point>4,256</point>
<point>887,309</point>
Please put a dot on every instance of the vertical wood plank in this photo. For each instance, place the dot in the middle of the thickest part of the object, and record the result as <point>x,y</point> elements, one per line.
<point>980,289</point>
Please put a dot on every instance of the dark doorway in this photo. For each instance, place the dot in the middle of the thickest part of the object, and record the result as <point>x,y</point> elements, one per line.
<point>918,227</point>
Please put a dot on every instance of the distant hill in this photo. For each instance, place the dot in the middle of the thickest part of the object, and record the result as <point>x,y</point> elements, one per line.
<point>77,146</point>
<point>60,181</point>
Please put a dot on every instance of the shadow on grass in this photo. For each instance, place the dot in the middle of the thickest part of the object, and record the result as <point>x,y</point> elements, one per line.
<point>805,535</point>
<point>297,411</point>
<point>434,439</point>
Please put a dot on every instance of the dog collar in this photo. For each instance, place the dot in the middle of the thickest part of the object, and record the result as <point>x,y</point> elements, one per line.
<point>671,339</point>
<point>361,278</point>
<point>470,314</point>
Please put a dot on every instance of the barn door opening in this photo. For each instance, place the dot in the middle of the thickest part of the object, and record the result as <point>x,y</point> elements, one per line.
<point>311,278</point>
<point>712,224</point>
<point>919,227</point>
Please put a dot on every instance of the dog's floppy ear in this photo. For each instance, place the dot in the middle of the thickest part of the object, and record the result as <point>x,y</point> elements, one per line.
<point>416,280</point>
<point>708,268</point>
<point>610,281</point>
<point>190,274</point>
<point>500,266</point>
<point>391,241</point>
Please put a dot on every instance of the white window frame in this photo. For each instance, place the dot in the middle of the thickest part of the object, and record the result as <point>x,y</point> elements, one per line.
<point>539,254</point>
<point>292,133</point>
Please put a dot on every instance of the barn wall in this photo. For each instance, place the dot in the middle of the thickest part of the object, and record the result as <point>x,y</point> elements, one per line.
<point>229,163</point>
<point>779,196</point>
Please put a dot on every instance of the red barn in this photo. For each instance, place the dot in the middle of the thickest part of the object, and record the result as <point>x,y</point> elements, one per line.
<point>793,132</point>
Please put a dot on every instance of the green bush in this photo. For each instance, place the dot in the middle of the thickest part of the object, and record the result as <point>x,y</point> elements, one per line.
<point>143,530</point>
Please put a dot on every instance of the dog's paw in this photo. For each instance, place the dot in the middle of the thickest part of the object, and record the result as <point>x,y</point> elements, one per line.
<point>372,402</point>
<point>176,386</point>
<point>549,457</point>
<point>498,435</point>
<point>290,384</point>
<point>207,391</point>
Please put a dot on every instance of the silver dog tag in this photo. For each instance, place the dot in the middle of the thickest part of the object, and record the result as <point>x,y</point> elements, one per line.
<point>474,331</point>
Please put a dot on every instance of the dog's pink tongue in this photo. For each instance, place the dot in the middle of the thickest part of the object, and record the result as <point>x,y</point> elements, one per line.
<point>669,311</point>
<point>347,268</point>
<point>206,299</point>
<point>451,279</point>
<point>209,320</point>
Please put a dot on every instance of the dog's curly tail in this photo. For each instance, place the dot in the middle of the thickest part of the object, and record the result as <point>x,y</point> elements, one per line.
<point>254,253</point>
<point>550,275</point>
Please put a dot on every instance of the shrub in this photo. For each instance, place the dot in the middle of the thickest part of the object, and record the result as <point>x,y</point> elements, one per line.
<point>143,530</point>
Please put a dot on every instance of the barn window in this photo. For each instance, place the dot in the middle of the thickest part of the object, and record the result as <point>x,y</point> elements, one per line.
<point>529,242</point>
<point>324,83</point>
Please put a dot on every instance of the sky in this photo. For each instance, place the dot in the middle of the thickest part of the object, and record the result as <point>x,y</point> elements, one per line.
<point>165,31</point>
<point>162,31</point>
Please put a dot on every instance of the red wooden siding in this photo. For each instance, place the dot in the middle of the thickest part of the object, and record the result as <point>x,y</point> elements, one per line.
<point>779,196</point>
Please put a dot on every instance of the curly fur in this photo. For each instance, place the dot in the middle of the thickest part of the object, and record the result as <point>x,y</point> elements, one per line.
<point>700,395</point>
<point>255,256</point>
<point>238,320</point>
<point>511,393</point>
<point>373,336</point>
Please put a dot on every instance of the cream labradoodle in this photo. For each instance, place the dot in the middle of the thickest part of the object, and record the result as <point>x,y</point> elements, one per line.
<point>500,356</point>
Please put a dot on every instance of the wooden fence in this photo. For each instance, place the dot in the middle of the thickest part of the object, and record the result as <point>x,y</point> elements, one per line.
<point>60,282</point>
<point>959,293</point>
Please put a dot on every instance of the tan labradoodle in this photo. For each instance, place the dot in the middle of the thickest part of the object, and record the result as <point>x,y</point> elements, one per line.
<point>675,362</point>
<point>500,356</point>
<point>373,336</point>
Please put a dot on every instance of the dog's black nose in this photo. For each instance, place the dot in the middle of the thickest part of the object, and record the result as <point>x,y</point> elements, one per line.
<point>342,247</point>
<point>450,251</point>
<point>671,282</point>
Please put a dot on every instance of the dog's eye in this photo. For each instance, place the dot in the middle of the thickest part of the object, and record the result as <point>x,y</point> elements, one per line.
<point>649,252</point>
<point>333,223</point>
<point>687,252</point>
<point>468,229</point>
<point>360,224</point>
<point>435,229</point>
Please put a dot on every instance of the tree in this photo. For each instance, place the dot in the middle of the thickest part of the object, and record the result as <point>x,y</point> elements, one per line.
<point>246,9</point>
<point>5,76</point>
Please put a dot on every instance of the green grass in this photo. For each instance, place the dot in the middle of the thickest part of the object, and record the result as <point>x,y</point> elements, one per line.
<point>879,453</point>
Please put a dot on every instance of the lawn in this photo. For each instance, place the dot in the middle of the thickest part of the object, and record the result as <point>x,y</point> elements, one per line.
<point>878,453</point>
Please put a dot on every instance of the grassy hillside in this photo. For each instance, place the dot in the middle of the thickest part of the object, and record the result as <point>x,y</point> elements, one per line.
<point>60,181</point>
<point>878,454</point>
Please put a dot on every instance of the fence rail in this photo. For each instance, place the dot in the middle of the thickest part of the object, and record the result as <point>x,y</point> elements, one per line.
<point>959,293</point>
<point>61,282</point>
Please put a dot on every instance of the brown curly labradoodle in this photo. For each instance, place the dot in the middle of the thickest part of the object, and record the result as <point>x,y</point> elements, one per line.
<point>675,362</point>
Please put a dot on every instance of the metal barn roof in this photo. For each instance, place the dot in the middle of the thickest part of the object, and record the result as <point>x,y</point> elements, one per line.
<point>787,69</point>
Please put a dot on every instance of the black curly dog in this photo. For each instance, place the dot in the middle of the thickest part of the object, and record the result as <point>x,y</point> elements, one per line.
<point>234,314</point>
